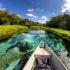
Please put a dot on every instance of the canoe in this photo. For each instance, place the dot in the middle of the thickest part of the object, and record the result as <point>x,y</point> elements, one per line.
<point>43,58</point>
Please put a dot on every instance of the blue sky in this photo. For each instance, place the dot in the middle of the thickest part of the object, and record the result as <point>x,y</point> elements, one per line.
<point>36,10</point>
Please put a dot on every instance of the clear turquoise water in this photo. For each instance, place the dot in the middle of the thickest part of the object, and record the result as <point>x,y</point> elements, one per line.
<point>10,54</point>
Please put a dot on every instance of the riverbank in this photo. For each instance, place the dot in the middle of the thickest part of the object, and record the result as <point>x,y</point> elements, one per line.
<point>8,30</point>
<point>33,38</point>
<point>60,32</point>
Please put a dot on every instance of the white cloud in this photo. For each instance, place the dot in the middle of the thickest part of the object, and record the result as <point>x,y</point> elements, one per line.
<point>30,10</point>
<point>31,15</point>
<point>1,7</point>
<point>66,6</point>
<point>40,21</point>
<point>19,15</point>
<point>43,19</point>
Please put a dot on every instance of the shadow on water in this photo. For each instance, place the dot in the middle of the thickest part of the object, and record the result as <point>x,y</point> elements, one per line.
<point>56,38</point>
<point>67,46</point>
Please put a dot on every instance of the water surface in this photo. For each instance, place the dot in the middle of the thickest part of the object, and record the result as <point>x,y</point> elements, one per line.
<point>10,54</point>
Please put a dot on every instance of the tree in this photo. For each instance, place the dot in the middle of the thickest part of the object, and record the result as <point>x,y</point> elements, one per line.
<point>54,22</point>
<point>7,18</point>
<point>60,21</point>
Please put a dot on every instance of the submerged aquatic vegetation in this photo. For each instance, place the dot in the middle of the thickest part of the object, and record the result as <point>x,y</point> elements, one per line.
<point>60,32</point>
<point>10,51</point>
<point>13,48</point>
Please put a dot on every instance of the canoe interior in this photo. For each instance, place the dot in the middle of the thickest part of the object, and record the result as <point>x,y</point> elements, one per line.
<point>43,58</point>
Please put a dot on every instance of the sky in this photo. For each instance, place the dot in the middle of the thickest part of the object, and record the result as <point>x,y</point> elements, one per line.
<point>36,10</point>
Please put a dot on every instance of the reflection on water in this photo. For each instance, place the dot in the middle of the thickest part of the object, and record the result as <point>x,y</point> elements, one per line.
<point>10,55</point>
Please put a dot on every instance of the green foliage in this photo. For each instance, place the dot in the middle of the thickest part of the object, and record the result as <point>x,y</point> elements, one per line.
<point>7,18</point>
<point>54,22</point>
<point>61,21</point>
<point>60,32</point>
<point>63,33</point>
<point>8,30</point>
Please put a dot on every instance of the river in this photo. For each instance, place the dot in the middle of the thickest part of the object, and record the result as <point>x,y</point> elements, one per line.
<point>11,55</point>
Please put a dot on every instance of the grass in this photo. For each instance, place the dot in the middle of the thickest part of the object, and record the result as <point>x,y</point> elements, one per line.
<point>60,32</point>
<point>8,30</point>
<point>63,33</point>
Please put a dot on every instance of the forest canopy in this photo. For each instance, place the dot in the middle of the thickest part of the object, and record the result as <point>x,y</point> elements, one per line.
<point>60,21</point>
<point>7,18</point>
